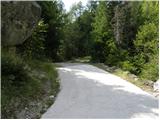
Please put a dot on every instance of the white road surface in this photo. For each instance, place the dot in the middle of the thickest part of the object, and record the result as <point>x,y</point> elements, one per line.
<point>89,92</point>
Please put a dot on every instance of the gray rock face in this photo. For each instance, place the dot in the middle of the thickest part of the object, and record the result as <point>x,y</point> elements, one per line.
<point>18,21</point>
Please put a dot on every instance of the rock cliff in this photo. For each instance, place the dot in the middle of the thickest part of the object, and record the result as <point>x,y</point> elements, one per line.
<point>18,19</point>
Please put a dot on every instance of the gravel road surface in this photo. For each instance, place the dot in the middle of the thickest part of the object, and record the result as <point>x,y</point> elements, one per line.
<point>89,92</point>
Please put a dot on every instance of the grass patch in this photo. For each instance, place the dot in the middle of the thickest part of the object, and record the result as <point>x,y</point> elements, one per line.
<point>28,87</point>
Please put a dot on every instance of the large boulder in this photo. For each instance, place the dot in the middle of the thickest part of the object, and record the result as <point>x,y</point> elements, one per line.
<point>18,21</point>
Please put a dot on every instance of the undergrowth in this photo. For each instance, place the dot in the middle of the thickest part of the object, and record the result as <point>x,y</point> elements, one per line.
<point>26,86</point>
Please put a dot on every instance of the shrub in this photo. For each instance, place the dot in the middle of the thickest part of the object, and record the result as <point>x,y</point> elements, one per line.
<point>146,44</point>
<point>127,65</point>
<point>14,71</point>
<point>150,70</point>
<point>114,54</point>
<point>98,53</point>
<point>25,83</point>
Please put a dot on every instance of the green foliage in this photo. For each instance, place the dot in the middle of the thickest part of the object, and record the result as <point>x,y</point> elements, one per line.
<point>128,66</point>
<point>126,20</point>
<point>52,14</point>
<point>150,70</point>
<point>150,11</point>
<point>147,48</point>
<point>100,24</point>
<point>111,53</point>
<point>77,38</point>
<point>26,82</point>
<point>147,39</point>
<point>101,32</point>
<point>122,34</point>
<point>69,45</point>
<point>14,71</point>
<point>34,47</point>
<point>98,53</point>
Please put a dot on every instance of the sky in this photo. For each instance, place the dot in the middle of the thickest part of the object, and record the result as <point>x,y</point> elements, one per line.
<point>69,3</point>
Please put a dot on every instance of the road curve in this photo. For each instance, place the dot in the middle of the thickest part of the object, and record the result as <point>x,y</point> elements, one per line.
<point>89,92</point>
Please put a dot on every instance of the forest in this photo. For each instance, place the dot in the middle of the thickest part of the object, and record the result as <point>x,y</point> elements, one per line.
<point>122,34</point>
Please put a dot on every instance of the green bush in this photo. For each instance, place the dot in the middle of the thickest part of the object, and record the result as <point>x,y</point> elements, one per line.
<point>114,54</point>
<point>14,71</point>
<point>128,66</point>
<point>98,53</point>
<point>146,60</point>
<point>150,70</point>
<point>147,39</point>
<point>26,82</point>
<point>111,60</point>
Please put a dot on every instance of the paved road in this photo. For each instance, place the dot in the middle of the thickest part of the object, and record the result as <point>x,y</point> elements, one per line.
<point>89,92</point>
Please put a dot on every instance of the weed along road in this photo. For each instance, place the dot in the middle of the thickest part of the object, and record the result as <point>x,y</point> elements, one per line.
<point>89,92</point>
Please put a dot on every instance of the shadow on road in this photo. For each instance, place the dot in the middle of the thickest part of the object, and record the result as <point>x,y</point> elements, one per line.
<point>115,102</point>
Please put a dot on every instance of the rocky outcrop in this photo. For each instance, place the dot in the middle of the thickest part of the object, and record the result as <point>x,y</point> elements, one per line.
<point>18,19</point>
